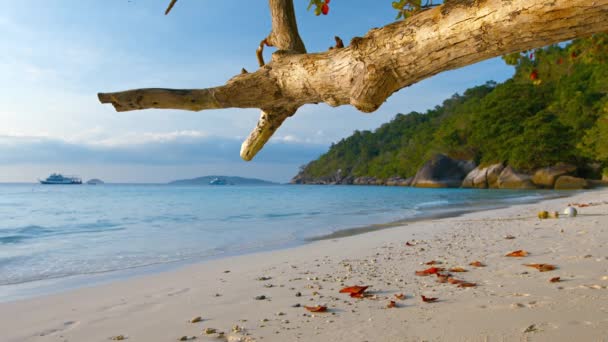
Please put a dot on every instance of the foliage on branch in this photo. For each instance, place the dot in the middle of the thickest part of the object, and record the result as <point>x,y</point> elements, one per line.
<point>321,6</point>
<point>405,8</point>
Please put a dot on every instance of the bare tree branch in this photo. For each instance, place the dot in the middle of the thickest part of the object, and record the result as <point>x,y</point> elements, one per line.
<point>170,6</point>
<point>365,73</point>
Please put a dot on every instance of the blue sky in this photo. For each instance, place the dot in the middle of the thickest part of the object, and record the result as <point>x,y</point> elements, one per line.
<point>56,55</point>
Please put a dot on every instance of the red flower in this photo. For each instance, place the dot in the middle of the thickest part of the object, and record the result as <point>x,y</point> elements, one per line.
<point>325,8</point>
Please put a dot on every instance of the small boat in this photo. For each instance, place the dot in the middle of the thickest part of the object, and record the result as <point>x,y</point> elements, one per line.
<point>217,181</point>
<point>57,178</point>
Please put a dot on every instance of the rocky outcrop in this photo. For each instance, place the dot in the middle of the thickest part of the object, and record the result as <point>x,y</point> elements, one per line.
<point>570,183</point>
<point>493,173</point>
<point>509,178</point>
<point>336,178</point>
<point>475,179</point>
<point>398,181</point>
<point>442,172</point>
<point>483,177</point>
<point>596,183</point>
<point>366,180</point>
<point>546,177</point>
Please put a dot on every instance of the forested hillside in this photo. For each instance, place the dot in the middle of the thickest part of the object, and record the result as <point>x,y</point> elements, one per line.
<point>554,109</point>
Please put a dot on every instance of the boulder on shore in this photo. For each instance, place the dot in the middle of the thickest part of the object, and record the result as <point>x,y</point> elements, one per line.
<point>493,173</point>
<point>570,183</point>
<point>398,181</point>
<point>365,180</point>
<point>476,179</point>
<point>511,179</point>
<point>483,177</point>
<point>442,172</point>
<point>547,176</point>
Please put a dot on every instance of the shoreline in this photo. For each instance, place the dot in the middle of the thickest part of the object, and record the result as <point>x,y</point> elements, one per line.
<point>457,211</point>
<point>61,284</point>
<point>157,307</point>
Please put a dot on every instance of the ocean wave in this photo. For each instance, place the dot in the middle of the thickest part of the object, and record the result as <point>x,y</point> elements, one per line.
<point>431,204</point>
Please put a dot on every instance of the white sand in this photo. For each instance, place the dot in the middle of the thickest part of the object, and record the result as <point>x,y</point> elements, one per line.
<point>510,297</point>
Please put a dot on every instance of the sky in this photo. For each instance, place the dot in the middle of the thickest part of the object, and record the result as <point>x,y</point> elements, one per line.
<point>57,55</point>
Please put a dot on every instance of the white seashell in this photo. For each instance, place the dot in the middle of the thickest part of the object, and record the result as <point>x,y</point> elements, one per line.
<point>570,212</point>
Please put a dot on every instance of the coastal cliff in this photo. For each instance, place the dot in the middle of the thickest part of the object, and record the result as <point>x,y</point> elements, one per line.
<point>546,127</point>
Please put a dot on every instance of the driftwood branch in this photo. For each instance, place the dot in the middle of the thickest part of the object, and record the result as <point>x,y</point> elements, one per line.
<point>365,73</point>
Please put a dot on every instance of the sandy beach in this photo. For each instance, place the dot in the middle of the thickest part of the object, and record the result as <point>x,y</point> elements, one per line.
<point>261,297</point>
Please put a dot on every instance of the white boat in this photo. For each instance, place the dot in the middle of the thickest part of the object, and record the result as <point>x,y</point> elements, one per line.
<point>217,181</point>
<point>57,178</point>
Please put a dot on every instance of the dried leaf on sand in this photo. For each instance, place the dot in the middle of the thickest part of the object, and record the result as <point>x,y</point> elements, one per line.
<point>542,267</point>
<point>318,308</point>
<point>518,254</point>
<point>429,299</point>
<point>429,271</point>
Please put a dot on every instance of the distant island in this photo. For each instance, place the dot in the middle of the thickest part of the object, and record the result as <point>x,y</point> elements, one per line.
<point>221,180</point>
<point>94,181</point>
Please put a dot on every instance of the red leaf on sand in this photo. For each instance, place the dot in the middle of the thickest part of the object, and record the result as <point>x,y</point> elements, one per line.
<point>542,267</point>
<point>477,264</point>
<point>518,254</point>
<point>429,271</point>
<point>409,244</point>
<point>465,284</point>
<point>391,304</point>
<point>455,281</point>
<point>318,308</point>
<point>354,290</point>
<point>429,299</point>
<point>400,296</point>
<point>457,269</point>
<point>555,280</point>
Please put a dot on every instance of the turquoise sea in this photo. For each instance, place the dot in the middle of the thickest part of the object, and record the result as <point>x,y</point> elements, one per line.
<point>69,236</point>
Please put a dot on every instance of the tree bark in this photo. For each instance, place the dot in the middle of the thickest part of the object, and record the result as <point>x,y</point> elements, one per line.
<point>365,73</point>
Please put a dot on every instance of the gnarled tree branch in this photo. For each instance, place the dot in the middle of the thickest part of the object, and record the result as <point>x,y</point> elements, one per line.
<point>367,72</point>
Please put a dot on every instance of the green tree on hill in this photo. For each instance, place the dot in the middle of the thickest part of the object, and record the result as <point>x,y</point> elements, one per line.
<point>554,109</point>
